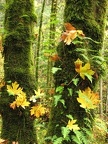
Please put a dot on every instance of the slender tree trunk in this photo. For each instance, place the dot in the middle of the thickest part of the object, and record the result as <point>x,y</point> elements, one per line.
<point>17,124</point>
<point>51,40</point>
<point>106,108</point>
<point>39,44</point>
<point>101,98</point>
<point>88,16</point>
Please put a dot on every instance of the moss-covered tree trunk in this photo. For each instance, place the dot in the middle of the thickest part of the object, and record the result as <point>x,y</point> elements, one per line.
<point>17,125</point>
<point>53,18</point>
<point>89,16</point>
<point>39,45</point>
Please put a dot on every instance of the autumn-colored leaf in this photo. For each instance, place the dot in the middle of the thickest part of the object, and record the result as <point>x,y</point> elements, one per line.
<point>88,99</point>
<point>78,65</point>
<point>14,89</point>
<point>80,33</point>
<point>67,37</point>
<point>2,83</point>
<point>20,96</point>
<point>13,105</point>
<point>70,34</point>
<point>20,101</point>
<point>38,110</point>
<point>38,93</point>
<point>72,126</point>
<point>51,91</point>
<point>54,57</point>
<point>69,27</point>
<point>14,142</point>
<point>83,70</point>
<point>2,141</point>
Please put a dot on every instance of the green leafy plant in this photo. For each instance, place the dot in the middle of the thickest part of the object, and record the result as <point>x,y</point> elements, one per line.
<point>87,99</point>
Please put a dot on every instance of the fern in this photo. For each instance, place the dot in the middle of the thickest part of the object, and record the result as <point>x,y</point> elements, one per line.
<point>82,136</point>
<point>80,49</point>
<point>87,132</point>
<point>77,138</point>
<point>88,38</point>
<point>85,57</point>
<point>88,123</point>
<point>65,132</point>
<point>58,140</point>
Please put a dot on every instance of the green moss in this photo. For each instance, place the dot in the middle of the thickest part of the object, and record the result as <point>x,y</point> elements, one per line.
<point>82,15</point>
<point>89,16</point>
<point>18,66</point>
<point>17,126</point>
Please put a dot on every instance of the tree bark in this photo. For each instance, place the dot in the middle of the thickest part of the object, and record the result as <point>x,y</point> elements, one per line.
<point>51,40</point>
<point>18,66</point>
<point>38,44</point>
<point>101,98</point>
<point>88,16</point>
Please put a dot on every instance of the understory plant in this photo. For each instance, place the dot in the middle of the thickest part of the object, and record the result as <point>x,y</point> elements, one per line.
<point>75,99</point>
<point>72,130</point>
<point>18,102</point>
<point>19,99</point>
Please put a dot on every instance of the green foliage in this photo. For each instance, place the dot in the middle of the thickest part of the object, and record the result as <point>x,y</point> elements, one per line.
<point>55,69</point>
<point>70,92</point>
<point>69,117</point>
<point>89,77</point>
<point>79,138</point>
<point>79,48</point>
<point>58,140</point>
<point>57,98</point>
<point>75,81</point>
<point>82,136</point>
<point>65,131</point>
<point>59,89</point>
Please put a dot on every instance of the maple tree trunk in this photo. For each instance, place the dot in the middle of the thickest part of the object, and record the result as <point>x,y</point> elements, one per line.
<point>89,17</point>
<point>17,125</point>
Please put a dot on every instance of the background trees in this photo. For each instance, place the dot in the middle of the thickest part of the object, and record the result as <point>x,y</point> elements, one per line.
<point>50,37</point>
